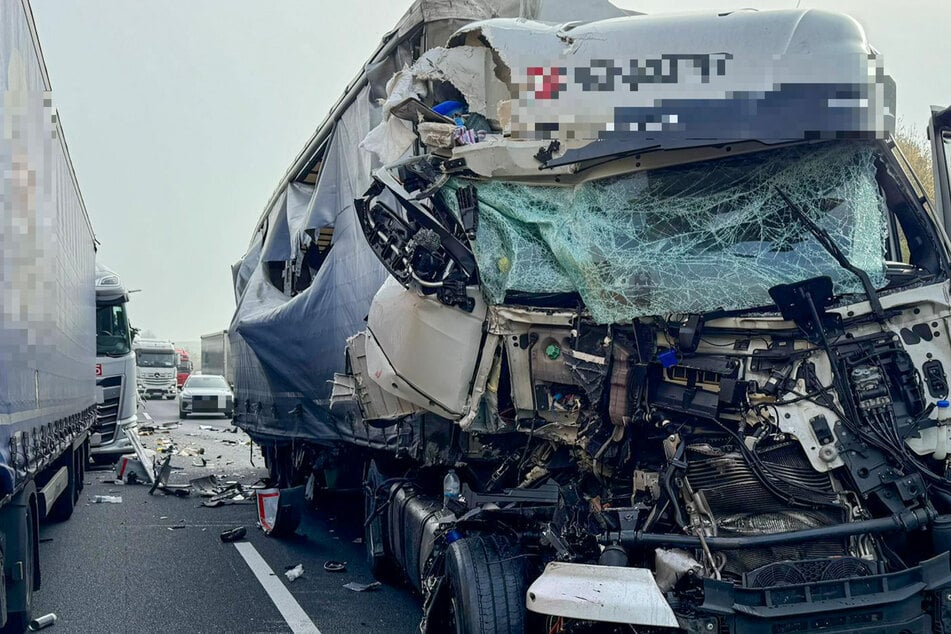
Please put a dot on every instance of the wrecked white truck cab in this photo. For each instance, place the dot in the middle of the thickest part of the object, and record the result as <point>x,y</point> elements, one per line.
<point>664,296</point>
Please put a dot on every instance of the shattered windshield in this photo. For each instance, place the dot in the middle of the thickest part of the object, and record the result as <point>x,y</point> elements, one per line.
<point>714,235</point>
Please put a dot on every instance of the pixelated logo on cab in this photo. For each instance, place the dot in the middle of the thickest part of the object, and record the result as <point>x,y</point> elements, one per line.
<point>605,75</point>
<point>546,83</point>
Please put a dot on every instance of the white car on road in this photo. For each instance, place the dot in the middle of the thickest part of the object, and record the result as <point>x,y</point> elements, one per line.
<point>205,394</point>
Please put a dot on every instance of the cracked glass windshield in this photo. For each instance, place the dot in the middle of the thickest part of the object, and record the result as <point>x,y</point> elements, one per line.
<point>714,235</point>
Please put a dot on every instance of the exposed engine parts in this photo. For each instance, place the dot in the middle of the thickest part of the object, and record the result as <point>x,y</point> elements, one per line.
<point>756,458</point>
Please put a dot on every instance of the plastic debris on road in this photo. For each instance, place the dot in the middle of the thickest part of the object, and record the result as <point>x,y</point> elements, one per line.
<point>363,587</point>
<point>130,470</point>
<point>234,534</point>
<point>161,481</point>
<point>221,493</point>
<point>42,622</point>
<point>295,573</point>
<point>107,499</point>
<point>335,566</point>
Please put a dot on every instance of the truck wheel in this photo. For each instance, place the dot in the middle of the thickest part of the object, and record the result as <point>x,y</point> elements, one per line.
<point>487,586</point>
<point>182,415</point>
<point>63,506</point>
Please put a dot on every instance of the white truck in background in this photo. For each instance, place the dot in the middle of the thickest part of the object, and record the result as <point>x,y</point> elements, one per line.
<point>115,369</point>
<point>47,313</point>
<point>156,371</point>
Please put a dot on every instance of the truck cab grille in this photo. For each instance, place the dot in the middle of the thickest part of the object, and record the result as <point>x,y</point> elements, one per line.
<point>107,412</point>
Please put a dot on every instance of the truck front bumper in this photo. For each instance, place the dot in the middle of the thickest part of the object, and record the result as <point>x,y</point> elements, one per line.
<point>160,391</point>
<point>915,600</point>
<point>120,443</point>
<point>607,594</point>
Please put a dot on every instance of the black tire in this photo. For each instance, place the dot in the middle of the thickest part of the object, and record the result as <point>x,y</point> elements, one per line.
<point>487,584</point>
<point>18,622</point>
<point>182,415</point>
<point>63,507</point>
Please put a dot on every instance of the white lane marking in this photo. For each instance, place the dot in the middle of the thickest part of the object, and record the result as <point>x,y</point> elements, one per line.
<point>283,600</point>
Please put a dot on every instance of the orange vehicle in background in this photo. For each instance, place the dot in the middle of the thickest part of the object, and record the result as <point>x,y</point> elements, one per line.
<point>184,366</point>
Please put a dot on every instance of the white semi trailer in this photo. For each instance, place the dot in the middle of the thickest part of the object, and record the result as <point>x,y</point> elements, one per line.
<point>47,317</point>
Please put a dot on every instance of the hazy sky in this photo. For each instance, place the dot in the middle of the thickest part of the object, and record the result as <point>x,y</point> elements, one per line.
<point>181,121</point>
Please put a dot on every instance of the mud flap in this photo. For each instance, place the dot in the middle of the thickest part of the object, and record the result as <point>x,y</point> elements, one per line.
<point>279,510</point>
<point>18,545</point>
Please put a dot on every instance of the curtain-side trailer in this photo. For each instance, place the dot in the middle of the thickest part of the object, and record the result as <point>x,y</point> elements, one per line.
<point>47,316</point>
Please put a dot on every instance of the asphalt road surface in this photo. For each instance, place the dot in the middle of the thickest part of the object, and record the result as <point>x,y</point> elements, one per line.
<point>129,568</point>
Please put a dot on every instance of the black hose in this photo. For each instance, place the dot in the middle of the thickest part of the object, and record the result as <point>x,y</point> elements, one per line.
<point>907,521</point>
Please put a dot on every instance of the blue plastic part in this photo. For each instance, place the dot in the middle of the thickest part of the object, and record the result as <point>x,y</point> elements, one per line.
<point>449,108</point>
<point>668,358</point>
<point>943,403</point>
<point>453,535</point>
